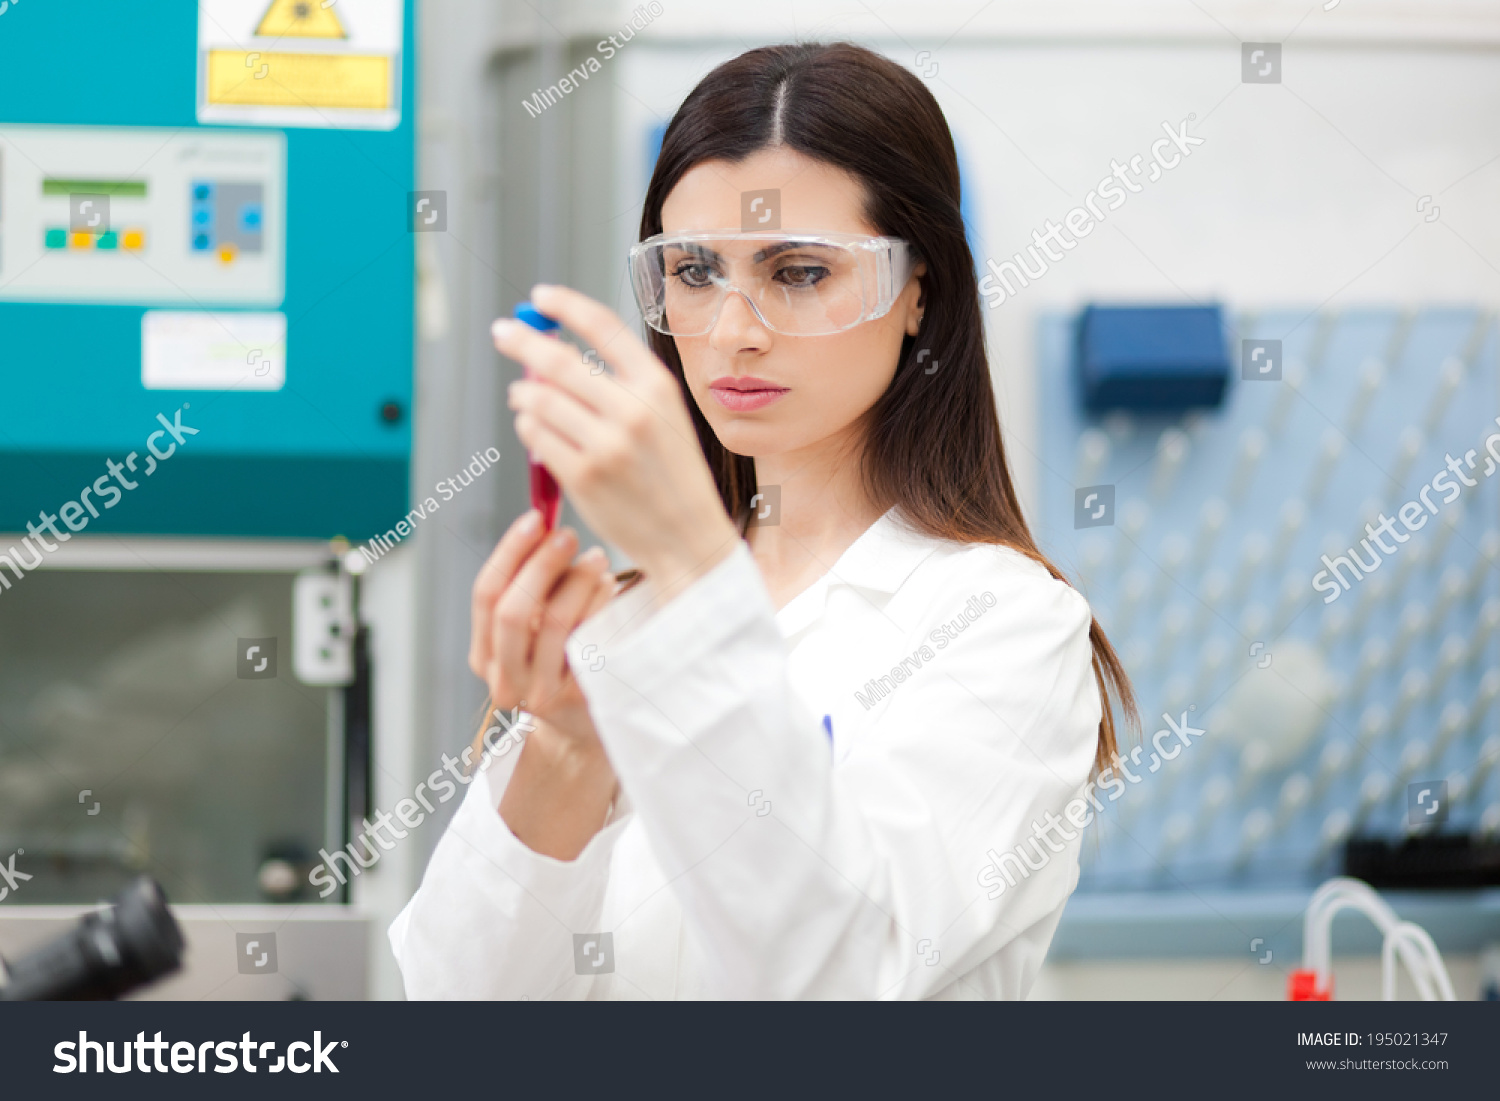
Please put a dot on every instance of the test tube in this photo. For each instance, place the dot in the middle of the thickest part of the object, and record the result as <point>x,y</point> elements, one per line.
<point>1371,375</point>
<point>1253,553</point>
<point>1373,790</point>
<point>1408,447</point>
<point>1412,691</point>
<point>1334,626</point>
<point>1414,755</point>
<point>1413,622</point>
<point>1296,790</point>
<point>1255,828</point>
<point>1171,452</point>
<point>1374,725</point>
<point>1453,721</point>
<point>1093,453</point>
<point>1252,446</point>
<point>1485,625</point>
<point>1210,599</point>
<point>1292,378</point>
<point>1255,759</point>
<point>1133,517</point>
<point>1450,375</point>
<point>1328,459</point>
<point>1215,656</point>
<point>1294,597</point>
<point>1334,831</point>
<point>1484,698</point>
<point>1211,518</point>
<point>1293,516</point>
<point>1133,590</point>
<point>1445,529</point>
<point>1451,655</point>
<point>1372,658</point>
<point>1450,587</point>
<point>1489,556</point>
<point>1174,552</point>
<point>1174,832</point>
<point>1489,822</point>
<point>1334,759</point>
<point>1216,792</point>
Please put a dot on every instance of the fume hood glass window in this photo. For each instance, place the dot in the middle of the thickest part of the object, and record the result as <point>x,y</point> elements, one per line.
<point>139,731</point>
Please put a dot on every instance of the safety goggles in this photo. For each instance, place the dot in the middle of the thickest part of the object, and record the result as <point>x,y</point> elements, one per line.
<point>798,284</point>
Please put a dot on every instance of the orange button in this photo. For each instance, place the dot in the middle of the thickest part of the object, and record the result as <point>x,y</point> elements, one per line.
<point>227,252</point>
<point>134,239</point>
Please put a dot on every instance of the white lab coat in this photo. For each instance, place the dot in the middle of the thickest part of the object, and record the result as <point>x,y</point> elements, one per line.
<point>750,855</point>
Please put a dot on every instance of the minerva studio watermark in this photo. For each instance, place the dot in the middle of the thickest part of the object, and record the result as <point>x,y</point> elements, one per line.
<point>878,688</point>
<point>639,20</point>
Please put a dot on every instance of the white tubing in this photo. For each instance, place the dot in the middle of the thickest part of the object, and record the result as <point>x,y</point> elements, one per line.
<point>1405,939</point>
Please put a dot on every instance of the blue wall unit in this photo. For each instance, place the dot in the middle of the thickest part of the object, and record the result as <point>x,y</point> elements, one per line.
<point>327,453</point>
<point>1204,578</point>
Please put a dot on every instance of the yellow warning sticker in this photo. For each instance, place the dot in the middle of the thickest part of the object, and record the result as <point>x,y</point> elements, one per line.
<point>247,78</point>
<point>300,19</point>
<point>322,63</point>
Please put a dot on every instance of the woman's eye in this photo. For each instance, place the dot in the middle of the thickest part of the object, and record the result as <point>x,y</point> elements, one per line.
<point>694,275</point>
<point>801,275</point>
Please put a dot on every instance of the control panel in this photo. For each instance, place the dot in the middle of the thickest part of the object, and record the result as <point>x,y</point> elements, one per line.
<point>148,216</point>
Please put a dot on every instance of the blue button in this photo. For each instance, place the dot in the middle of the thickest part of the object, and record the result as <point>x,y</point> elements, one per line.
<point>201,242</point>
<point>250,217</point>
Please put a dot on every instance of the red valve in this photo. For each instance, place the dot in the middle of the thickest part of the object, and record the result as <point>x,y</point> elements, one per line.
<point>1302,986</point>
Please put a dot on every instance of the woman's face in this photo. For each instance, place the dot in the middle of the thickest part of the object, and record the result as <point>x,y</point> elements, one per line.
<point>806,389</point>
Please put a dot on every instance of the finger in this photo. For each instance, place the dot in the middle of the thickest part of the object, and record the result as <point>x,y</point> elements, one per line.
<point>549,360</point>
<point>565,459</point>
<point>496,573</point>
<point>601,328</point>
<point>557,409</point>
<point>569,603</point>
<point>516,612</point>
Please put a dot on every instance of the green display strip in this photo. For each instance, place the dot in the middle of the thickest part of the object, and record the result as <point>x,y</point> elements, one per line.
<point>130,189</point>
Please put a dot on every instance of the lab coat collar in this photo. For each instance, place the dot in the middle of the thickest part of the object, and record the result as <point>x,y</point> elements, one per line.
<point>879,561</point>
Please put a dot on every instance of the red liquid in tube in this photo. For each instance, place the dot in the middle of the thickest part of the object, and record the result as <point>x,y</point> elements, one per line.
<point>546,495</point>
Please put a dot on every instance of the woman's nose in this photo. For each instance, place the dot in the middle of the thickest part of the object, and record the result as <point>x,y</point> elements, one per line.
<point>738,328</point>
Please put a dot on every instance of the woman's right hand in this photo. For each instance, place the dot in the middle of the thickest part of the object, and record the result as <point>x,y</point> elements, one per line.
<point>528,598</point>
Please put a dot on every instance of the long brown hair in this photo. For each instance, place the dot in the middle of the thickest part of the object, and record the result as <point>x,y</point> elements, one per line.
<point>933,445</point>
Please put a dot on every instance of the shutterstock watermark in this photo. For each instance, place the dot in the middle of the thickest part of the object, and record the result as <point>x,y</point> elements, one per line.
<point>513,730</point>
<point>1413,516</point>
<point>1002,869</point>
<point>448,489</point>
<point>882,686</point>
<point>1166,153</point>
<point>639,20</point>
<point>77,513</point>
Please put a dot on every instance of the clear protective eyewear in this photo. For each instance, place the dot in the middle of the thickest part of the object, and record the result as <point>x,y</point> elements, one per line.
<point>798,284</point>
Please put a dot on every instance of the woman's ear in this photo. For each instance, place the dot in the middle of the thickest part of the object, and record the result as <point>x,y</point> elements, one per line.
<point>917,305</point>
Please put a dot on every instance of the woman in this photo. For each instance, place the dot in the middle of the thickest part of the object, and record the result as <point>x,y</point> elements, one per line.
<point>783,763</point>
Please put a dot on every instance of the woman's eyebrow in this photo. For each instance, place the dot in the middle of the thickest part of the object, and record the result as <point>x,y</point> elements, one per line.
<point>786,246</point>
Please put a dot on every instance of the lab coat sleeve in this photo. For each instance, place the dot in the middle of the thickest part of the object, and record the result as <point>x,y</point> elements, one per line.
<point>868,880</point>
<point>492,918</point>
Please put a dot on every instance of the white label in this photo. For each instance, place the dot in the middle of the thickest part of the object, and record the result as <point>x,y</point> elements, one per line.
<point>182,350</point>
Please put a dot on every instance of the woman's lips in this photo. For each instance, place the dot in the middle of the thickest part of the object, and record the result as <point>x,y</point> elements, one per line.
<point>743,395</point>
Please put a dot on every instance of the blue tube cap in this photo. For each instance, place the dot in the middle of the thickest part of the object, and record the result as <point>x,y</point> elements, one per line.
<point>535,318</point>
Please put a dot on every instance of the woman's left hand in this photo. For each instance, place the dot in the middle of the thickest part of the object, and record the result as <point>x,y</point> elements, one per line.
<point>622,446</point>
